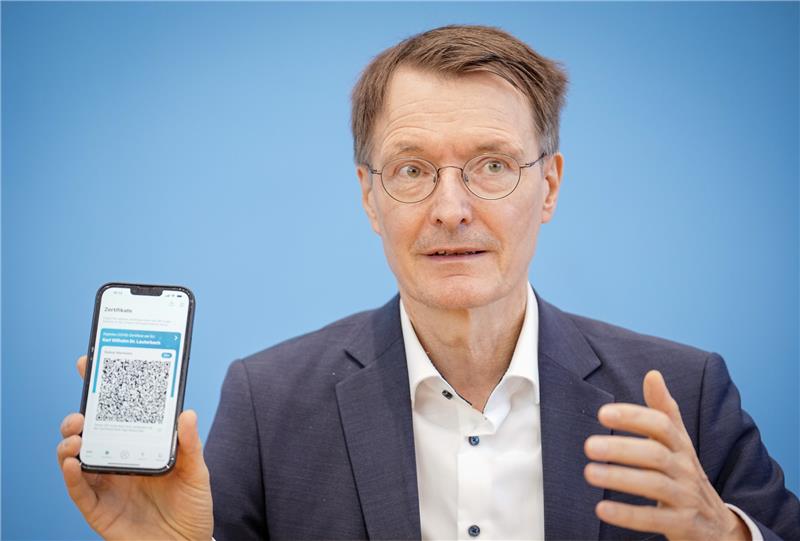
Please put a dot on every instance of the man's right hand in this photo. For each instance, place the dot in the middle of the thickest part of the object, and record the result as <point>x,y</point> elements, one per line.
<point>176,505</point>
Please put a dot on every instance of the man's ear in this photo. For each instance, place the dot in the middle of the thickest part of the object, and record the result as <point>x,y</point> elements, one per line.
<point>368,196</point>
<point>553,170</point>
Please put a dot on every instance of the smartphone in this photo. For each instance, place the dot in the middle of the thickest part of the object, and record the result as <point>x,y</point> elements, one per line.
<point>135,378</point>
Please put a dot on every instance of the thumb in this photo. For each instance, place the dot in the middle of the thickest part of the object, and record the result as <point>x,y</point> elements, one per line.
<point>190,448</point>
<point>656,396</point>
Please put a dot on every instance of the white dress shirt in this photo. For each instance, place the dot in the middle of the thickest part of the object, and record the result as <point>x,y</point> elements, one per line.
<point>479,475</point>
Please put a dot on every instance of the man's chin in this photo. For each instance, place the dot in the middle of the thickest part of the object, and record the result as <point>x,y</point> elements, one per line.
<point>456,293</point>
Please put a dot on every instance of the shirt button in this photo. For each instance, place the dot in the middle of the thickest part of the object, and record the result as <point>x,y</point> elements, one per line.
<point>474,440</point>
<point>447,394</point>
<point>474,531</point>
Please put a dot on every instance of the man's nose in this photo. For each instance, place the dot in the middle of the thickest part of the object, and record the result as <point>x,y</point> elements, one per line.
<point>452,201</point>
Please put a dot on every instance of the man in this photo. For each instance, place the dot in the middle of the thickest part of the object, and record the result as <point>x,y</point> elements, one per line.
<point>467,406</point>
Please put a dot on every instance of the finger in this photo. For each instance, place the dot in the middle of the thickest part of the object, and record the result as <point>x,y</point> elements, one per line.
<point>643,518</point>
<point>643,421</point>
<point>72,424</point>
<point>657,396</point>
<point>631,451</point>
<point>68,447</point>
<point>78,488</point>
<point>81,366</point>
<point>190,449</point>
<point>646,483</point>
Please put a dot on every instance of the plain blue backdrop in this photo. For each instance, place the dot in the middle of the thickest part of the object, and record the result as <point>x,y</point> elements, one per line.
<point>208,145</point>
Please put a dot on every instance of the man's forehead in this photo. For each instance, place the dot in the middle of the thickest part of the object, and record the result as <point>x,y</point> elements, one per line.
<point>477,112</point>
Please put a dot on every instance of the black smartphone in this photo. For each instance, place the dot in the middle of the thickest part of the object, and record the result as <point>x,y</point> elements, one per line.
<point>135,378</point>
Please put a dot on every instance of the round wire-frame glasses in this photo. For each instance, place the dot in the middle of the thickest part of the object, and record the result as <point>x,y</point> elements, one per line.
<point>506,186</point>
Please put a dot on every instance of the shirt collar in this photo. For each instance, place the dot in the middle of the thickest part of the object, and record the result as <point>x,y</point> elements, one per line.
<point>524,362</point>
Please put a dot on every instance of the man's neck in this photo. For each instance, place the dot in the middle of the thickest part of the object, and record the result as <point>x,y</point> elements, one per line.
<point>471,348</point>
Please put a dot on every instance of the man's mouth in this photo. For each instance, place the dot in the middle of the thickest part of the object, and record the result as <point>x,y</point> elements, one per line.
<point>454,253</point>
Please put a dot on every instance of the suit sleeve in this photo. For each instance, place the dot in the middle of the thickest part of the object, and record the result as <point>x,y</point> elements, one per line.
<point>233,459</point>
<point>736,461</point>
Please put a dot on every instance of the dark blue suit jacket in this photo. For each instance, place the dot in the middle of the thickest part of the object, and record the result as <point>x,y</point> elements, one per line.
<point>313,437</point>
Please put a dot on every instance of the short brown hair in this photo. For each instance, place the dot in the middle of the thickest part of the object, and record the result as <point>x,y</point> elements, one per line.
<point>458,49</point>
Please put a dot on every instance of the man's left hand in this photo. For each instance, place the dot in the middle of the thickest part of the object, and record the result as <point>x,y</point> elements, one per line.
<point>663,467</point>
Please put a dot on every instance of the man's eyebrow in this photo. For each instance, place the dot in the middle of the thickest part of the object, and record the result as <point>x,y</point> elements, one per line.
<point>499,146</point>
<point>402,148</point>
<point>488,146</point>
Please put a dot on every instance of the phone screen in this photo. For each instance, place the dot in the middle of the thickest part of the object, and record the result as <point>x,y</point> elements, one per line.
<point>135,386</point>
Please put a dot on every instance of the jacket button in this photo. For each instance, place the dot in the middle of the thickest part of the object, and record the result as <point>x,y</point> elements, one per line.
<point>474,531</point>
<point>474,440</point>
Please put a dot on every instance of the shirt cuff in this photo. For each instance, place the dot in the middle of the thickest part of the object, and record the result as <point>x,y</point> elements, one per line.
<point>755,533</point>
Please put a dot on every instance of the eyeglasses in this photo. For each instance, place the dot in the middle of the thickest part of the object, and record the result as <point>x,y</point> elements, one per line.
<point>488,176</point>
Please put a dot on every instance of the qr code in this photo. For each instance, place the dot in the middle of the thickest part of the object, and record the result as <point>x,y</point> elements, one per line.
<point>133,390</point>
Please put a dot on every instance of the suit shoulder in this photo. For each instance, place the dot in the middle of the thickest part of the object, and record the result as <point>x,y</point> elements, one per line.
<point>614,341</point>
<point>297,378</point>
<point>314,343</point>
<point>626,356</point>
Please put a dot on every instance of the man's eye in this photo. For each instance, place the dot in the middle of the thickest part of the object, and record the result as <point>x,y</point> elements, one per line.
<point>495,167</point>
<point>410,171</point>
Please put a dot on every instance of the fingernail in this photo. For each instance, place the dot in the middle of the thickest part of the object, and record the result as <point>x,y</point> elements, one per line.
<point>597,470</point>
<point>606,509</point>
<point>609,413</point>
<point>597,445</point>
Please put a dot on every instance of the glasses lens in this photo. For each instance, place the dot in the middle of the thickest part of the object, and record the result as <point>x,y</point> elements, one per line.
<point>492,176</point>
<point>409,179</point>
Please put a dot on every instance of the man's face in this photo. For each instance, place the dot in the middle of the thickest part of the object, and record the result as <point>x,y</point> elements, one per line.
<point>448,119</point>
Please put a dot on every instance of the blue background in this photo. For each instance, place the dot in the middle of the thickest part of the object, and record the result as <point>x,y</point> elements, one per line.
<point>208,145</point>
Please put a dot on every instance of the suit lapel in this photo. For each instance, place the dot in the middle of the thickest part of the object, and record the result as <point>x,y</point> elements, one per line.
<point>568,408</point>
<point>375,408</point>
